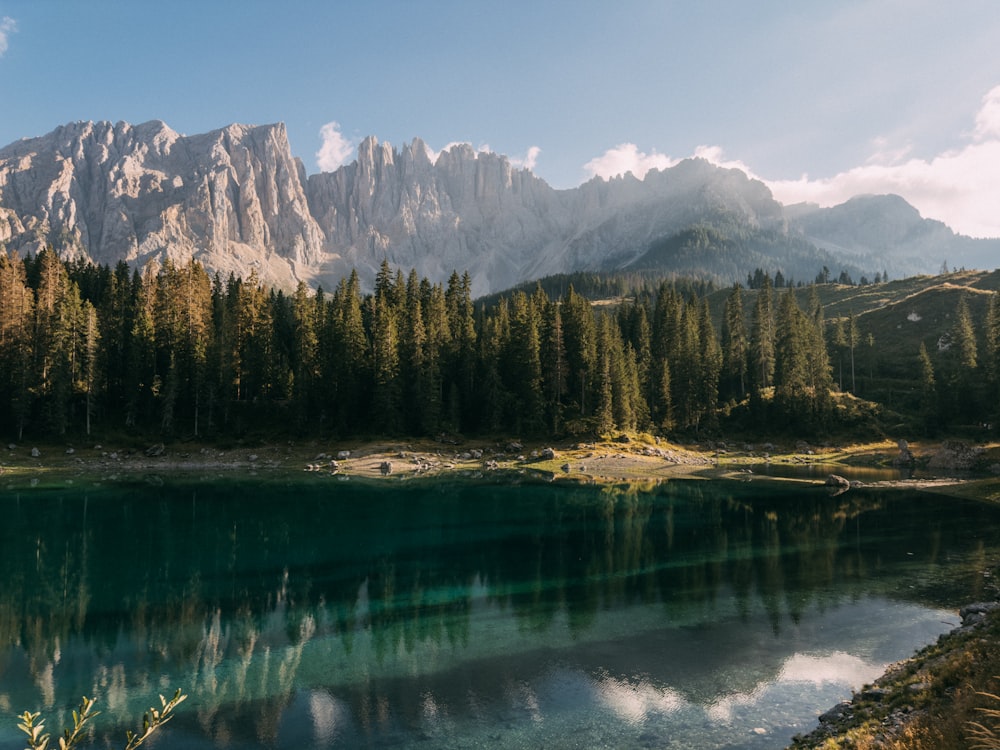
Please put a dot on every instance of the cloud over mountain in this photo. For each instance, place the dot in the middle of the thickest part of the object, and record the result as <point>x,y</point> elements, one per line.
<point>336,149</point>
<point>7,26</point>
<point>959,186</point>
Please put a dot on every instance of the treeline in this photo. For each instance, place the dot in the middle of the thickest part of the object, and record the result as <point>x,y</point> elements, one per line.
<point>176,351</point>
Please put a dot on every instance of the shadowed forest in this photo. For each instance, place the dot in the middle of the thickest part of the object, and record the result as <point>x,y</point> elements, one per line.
<point>173,351</point>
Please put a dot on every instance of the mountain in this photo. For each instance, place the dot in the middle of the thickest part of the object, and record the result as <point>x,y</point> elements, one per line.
<point>869,227</point>
<point>238,200</point>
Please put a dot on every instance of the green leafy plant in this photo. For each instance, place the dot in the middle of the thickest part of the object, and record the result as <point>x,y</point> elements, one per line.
<point>38,739</point>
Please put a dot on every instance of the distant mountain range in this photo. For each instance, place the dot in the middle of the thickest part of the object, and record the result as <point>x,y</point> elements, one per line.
<point>237,199</point>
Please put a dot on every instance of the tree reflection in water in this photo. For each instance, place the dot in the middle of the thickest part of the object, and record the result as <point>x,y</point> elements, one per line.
<point>377,608</point>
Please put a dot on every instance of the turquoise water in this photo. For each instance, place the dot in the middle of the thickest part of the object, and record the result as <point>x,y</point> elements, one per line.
<point>325,614</point>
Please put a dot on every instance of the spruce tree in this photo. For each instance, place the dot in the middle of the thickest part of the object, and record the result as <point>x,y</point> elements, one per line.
<point>735,347</point>
<point>554,368</point>
<point>580,334</point>
<point>793,392</point>
<point>762,340</point>
<point>928,392</point>
<point>17,303</point>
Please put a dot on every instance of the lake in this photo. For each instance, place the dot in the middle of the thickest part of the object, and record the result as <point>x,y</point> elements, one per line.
<point>326,613</point>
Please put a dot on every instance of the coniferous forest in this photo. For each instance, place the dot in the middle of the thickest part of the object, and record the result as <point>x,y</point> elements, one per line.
<point>172,351</point>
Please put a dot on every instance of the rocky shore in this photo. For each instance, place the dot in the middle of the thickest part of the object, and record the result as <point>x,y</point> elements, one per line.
<point>927,701</point>
<point>623,458</point>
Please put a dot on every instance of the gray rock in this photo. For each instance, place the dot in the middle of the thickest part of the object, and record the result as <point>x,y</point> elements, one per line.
<point>835,714</point>
<point>954,455</point>
<point>343,455</point>
<point>385,468</point>
<point>155,450</point>
<point>976,613</point>
<point>35,453</point>
<point>835,480</point>
<point>548,454</point>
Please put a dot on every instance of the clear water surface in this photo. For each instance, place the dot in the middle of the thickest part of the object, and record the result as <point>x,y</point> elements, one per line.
<point>306,614</point>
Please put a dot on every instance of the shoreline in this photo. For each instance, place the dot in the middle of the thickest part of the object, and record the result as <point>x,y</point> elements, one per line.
<point>624,459</point>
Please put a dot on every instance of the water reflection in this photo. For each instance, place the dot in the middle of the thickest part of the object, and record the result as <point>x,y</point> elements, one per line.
<point>367,615</point>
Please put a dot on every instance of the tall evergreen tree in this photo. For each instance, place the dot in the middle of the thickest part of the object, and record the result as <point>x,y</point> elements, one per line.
<point>964,367</point>
<point>524,364</point>
<point>762,340</point>
<point>17,303</point>
<point>554,366</point>
<point>57,332</point>
<point>735,347</point>
<point>793,392</point>
<point>90,360</point>
<point>928,392</point>
<point>386,382</point>
<point>580,334</point>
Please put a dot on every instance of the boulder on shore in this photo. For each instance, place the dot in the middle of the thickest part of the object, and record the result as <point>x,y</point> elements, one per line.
<point>835,480</point>
<point>954,455</point>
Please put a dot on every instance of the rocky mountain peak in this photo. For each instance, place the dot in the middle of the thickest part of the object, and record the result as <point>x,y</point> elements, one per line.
<point>236,199</point>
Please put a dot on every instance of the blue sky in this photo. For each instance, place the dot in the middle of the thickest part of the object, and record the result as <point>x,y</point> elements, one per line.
<point>820,100</point>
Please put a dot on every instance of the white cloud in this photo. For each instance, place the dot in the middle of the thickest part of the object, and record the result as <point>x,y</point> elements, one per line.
<point>336,149</point>
<point>626,157</point>
<point>988,117</point>
<point>528,161</point>
<point>7,27</point>
<point>960,187</point>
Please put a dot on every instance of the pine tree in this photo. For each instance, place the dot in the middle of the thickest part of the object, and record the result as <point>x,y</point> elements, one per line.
<point>524,365</point>
<point>438,361</point>
<point>461,347</point>
<point>663,414</point>
<point>604,414</point>
<point>928,392</point>
<point>762,340</point>
<point>386,382</point>
<point>58,328</point>
<point>554,368</point>
<point>580,335</point>
<point>964,378</point>
<point>493,344</point>
<point>853,338</point>
<point>90,359</point>
<point>16,351</point>
<point>307,311</point>
<point>735,347</point>
<point>820,373</point>
<point>793,393</point>
<point>414,365</point>
<point>710,365</point>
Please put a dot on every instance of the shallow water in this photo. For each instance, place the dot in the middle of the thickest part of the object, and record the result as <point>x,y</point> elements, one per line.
<point>456,615</point>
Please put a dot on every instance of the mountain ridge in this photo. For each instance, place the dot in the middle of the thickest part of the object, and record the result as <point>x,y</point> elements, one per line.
<point>238,200</point>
